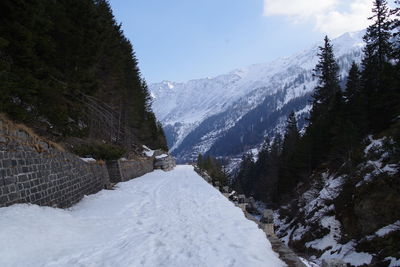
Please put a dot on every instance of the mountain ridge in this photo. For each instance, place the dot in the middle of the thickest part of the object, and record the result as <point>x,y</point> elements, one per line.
<point>184,107</point>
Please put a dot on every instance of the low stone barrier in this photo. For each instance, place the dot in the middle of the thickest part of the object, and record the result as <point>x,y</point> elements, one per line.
<point>268,220</point>
<point>164,162</point>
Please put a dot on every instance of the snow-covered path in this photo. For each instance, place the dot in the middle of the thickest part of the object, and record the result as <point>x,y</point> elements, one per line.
<point>160,219</point>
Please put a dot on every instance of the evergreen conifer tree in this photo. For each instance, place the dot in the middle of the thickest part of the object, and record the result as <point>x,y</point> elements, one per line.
<point>243,178</point>
<point>396,55</point>
<point>200,161</point>
<point>377,70</point>
<point>288,175</point>
<point>262,186</point>
<point>326,98</point>
<point>328,83</point>
<point>355,101</point>
<point>353,85</point>
<point>396,31</point>
<point>274,166</point>
<point>377,38</point>
<point>292,135</point>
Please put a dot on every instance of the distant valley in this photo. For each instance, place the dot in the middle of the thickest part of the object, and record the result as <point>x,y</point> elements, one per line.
<point>233,113</point>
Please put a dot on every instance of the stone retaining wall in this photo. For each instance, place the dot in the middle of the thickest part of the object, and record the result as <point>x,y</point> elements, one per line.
<point>34,171</point>
<point>125,170</point>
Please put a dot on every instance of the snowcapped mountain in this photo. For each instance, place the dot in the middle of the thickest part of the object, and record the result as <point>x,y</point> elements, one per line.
<point>232,113</point>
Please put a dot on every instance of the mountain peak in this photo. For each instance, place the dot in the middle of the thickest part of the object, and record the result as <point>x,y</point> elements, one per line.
<point>189,104</point>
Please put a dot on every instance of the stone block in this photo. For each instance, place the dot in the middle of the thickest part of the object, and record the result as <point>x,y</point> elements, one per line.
<point>23,135</point>
<point>6,163</point>
<point>4,190</point>
<point>3,200</point>
<point>3,139</point>
<point>241,199</point>
<point>267,216</point>
<point>269,229</point>
<point>12,197</point>
<point>164,162</point>
<point>9,180</point>
<point>22,178</point>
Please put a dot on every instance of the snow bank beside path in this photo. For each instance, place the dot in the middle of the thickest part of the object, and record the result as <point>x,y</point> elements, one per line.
<point>161,219</point>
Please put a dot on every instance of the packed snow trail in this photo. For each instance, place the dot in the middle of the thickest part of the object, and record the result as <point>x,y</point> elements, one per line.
<point>160,219</point>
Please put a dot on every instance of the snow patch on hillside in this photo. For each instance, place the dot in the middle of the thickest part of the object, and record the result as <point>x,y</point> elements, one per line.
<point>378,160</point>
<point>316,212</point>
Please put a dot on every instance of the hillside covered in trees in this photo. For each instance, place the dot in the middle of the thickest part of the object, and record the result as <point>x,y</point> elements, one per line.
<point>68,71</point>
<point>336,186</point>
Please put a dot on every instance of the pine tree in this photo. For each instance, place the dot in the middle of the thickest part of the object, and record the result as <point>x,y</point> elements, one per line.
<point>199,161</point>
<point>262,187</point>
<point>353,85</point>
<point>396,55</point>
<point>328,83</point>
<point>378,48</point>
<point>291,136</point>
<point>288,177</point>
<point>377,73</point>
<point>273,167</point>
<point>396,31</point>
<point>355,101</point>
<point>377,37</point>
<point>161,138</point>
<point>243,180</point>
<point>326,98</point>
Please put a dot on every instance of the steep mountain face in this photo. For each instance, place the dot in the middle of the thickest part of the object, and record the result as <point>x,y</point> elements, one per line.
<point>232,113</point>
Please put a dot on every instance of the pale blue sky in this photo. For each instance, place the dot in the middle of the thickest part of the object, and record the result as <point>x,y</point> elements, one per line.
<point>179,40</point>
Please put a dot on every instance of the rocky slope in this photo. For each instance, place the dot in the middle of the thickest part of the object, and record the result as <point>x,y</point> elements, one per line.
<point>353,215</point>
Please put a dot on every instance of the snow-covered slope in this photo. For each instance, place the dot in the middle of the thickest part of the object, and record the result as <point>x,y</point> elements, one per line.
<point>184,107</point>
<point>353,217</point>
<point>161,219</point>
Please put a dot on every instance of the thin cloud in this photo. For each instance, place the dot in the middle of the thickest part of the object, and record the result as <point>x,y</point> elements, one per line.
<point>335,23</point>
<point>328,18</point>
<point>297,8</point>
